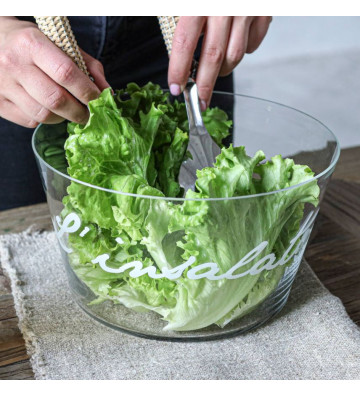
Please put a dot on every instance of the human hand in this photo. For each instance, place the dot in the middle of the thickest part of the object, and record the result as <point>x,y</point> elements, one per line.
<point>39,82</point>
<point>226,40</point>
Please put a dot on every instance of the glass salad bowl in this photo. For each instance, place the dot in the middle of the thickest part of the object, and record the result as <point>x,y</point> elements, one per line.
<point>144,257</point>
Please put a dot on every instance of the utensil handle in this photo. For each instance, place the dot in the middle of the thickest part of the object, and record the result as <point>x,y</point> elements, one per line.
<point>58,30</point>
<point>168,26</point>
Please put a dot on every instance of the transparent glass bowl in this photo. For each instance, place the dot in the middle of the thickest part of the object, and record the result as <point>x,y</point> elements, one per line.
<point>245,253</point>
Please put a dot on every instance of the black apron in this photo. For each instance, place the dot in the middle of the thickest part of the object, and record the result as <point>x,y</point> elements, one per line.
<point>131,49</point>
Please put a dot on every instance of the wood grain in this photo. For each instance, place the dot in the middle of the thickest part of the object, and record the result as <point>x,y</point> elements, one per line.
<point>342,205</point>
<point>17,371</point>
<point>348,167</point>
<point>333,253</point>
<point>14,361</point>
<point>19,219</point>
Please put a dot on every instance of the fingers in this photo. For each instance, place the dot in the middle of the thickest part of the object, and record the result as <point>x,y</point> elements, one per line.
<point>212,56</point>
<point>258,30</point>
<point>11,112</point>
<point>61,69</point>
<point>237,44</point>
<point>40,83</point>
<point>30,107</point>
<point>96,70</point>
<point>226,41</point>
<point>184,43</point>
<point>52,97</point>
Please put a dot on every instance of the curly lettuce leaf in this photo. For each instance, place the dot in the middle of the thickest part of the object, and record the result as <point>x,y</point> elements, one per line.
<point>135,142</point>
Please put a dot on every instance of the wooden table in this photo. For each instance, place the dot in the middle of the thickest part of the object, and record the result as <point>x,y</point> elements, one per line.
<point>333,253</point>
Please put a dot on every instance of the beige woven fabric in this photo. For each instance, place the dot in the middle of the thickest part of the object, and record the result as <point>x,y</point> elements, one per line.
<point>167,26</point>
<point>313,337</point>
<point>58,30</point>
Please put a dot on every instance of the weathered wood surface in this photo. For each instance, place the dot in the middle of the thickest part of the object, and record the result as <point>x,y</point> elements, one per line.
<point>333,253</point>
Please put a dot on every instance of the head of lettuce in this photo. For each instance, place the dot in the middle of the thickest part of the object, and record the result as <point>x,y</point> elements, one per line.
<point>135,144</point>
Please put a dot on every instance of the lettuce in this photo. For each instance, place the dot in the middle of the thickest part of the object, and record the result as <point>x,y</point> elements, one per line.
<point>135,142</point>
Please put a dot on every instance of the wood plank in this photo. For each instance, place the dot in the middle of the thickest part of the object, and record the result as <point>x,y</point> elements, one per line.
<point>5,288</point>
<point>334,251</point>
<point>19,219</point>
<point>334,255</point>
<point>12,345</point>
<point>348,167</point>
<point>14,361</point>
<point>7,309</point>
<point>13,354</point>
<point>342,205</point>
<point>17,371</point>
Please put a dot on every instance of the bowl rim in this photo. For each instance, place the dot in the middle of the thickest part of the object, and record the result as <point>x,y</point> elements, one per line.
<point>326,171</point>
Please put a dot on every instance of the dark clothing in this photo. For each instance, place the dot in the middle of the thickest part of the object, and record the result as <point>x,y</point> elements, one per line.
<point>131,49</point>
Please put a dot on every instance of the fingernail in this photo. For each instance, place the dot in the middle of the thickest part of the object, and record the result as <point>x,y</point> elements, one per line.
<point>106,86</point>
<point>203,105</point>
<point>85,119</point>
<point>175,89</point>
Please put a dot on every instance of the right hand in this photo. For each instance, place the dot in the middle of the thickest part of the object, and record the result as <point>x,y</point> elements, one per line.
<point>39,82</point>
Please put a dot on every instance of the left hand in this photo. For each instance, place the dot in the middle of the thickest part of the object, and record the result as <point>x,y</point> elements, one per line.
<point>226,40</point>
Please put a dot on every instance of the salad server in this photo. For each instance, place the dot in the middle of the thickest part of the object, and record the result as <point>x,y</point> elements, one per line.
<point>201,146</point>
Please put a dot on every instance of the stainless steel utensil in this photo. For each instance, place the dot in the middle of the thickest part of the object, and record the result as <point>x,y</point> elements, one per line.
<point>201,146</point>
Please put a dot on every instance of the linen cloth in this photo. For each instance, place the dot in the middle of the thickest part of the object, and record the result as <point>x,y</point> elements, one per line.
<point>312,338</point>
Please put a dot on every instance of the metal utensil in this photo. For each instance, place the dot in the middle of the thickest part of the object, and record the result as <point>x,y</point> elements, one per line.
<point>201,146</point>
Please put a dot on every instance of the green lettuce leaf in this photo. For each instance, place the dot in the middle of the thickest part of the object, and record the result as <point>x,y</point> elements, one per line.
<point>135,143</point>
